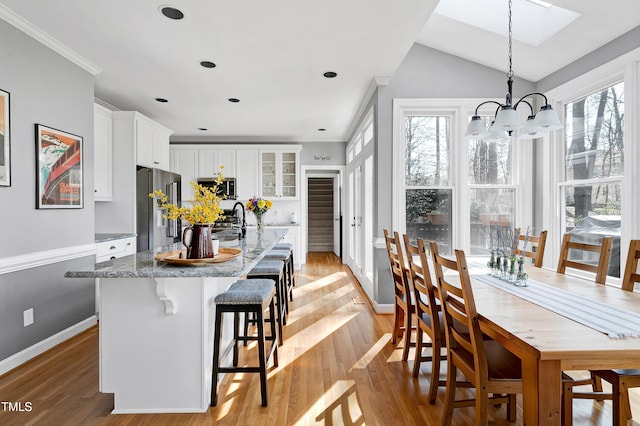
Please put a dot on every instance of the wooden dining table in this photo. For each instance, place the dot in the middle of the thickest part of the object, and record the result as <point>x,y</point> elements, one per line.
<point>549,343</point>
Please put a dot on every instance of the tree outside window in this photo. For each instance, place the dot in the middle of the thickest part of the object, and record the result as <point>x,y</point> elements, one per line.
<point>594,167</point>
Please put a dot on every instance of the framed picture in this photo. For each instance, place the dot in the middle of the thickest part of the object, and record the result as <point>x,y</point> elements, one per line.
<point>5,140</point>
<point>59,169</point>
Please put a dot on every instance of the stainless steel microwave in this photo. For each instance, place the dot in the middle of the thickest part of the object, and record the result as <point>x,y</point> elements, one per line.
<point>226,188</point>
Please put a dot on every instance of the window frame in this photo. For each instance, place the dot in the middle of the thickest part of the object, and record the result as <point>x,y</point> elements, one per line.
<point>626,69</point>
<point>460,111</point>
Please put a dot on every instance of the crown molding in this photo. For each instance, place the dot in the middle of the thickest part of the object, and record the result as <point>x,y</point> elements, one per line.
<point>28,28</point>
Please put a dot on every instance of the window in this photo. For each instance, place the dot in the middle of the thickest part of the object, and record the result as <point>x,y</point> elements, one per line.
<point>591,192</point>
<point>426,178</point>
<point>492,195</point>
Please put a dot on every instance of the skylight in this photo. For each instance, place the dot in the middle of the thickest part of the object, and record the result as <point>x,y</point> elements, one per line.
<point>534,21</point>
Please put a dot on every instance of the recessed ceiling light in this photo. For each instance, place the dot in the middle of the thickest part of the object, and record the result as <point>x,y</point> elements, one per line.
<point>207,64</point>
<point>202,128</point>
<point>330,74</point>
<point>162,100</point>
<point>171,12</point>
<point>234,100</point>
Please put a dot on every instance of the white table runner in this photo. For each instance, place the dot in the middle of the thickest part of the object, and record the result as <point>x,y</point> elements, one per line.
<point>615,322</point>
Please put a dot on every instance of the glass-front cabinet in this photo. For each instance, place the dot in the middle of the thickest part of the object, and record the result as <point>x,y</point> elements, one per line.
<point>279,174</point>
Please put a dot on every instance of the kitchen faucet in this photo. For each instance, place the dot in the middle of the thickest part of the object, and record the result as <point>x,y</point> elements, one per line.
<point>243,227</point>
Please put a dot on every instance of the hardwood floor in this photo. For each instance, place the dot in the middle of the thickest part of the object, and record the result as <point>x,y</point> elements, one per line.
<point>337,367</point>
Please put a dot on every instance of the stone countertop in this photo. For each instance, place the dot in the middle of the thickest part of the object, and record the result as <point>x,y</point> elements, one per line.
<point>143,265</point>
<point>115,236</point>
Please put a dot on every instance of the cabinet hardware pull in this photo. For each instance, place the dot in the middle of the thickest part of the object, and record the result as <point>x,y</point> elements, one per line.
<point>112,248</point>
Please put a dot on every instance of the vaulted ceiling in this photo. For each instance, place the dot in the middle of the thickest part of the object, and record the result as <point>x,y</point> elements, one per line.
<point>272,55</point>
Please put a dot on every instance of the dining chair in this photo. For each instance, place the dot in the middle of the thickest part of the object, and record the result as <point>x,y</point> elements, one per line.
<point>428,315</point>
<point>404,307</point>
<point>537,242</point>
<point>603,250</point>
<point>621,379</point>
<point>486,364</point>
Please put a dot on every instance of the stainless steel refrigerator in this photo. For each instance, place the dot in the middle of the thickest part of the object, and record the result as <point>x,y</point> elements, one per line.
<point>153,229</point>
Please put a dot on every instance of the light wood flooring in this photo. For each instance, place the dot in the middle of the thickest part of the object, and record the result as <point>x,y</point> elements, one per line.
<point>337,367</point>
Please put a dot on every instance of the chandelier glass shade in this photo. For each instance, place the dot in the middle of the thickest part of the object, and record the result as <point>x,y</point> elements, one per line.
<point>506,116</point>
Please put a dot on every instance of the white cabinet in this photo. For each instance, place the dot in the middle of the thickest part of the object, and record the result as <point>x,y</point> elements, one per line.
<point>247,173</point>
<point>112,249</point>
<point>102,153</point>
<point>210,161</point>
<point>292,237</point>
<point>151,140</point>
<point>184,161</point>
<point>280,174</point>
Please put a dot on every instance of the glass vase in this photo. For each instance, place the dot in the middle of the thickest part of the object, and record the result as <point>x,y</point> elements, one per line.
<point>259,223</point>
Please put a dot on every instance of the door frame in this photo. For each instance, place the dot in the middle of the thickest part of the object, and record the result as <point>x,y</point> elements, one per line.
<point>313,172</point>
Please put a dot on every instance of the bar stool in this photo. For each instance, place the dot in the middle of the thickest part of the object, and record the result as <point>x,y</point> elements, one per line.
<point>272,270</point>
<point>285,256</point>
<point>249,297</point>
<point>288,246</point>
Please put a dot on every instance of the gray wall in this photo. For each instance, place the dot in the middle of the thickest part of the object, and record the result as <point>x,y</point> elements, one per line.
<point>47,89</point>
<point>618,47</point>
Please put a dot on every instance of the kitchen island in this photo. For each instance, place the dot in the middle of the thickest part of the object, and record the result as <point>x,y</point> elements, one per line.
<point>156,325</point>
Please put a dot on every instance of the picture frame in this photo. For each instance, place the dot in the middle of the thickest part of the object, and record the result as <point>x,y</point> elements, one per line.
<point>5,139</point>
<point>59,169</point>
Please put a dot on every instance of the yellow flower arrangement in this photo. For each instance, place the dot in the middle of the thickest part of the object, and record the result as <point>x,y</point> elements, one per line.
<point>205,208</point>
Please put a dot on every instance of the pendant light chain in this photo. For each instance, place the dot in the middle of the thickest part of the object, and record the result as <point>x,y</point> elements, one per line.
<point>510,73</point>
<point>506,119</point>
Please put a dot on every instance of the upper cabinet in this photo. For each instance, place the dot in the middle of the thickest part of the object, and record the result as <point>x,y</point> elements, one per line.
<point>102,153</point>
<point>280,174</point>
<point>151,140</point>
<point>210,161</point>
<point>185,163</point>
<point>271,171</point>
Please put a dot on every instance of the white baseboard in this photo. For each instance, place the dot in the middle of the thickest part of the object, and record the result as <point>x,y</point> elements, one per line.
<point>161,410</point>
<point>382,308</point>
<point>32,351</point>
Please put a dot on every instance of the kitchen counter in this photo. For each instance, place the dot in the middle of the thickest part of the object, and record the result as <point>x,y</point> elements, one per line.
<point>143,265</point>
<point>100,238</point>
<point>156,325</point>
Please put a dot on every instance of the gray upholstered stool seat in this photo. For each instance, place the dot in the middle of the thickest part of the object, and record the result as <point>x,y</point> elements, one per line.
<point>288,246</point>
<point>286,256</point>
<point>277,255</point>
<point>267,267</point>
<point>247,291</point>
<point>248,297</point>
<point>283,246</point>
<point>273,270</point>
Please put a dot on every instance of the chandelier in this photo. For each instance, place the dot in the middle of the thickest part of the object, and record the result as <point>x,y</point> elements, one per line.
<point>506,118</point>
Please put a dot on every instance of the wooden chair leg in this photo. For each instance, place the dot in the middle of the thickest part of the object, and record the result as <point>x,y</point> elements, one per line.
<point>597,383</point>
<point>418,355</point>
<point>435,374</point>
<point>398,323</point>
<point>481,407</point>
<point>450,394</point>
<point>407,335</point>
<point>511,408</point>
<point>567,404</point>
<point>618,404</point>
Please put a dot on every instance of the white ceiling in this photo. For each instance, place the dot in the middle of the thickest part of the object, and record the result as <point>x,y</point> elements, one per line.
<point>271,55</point>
